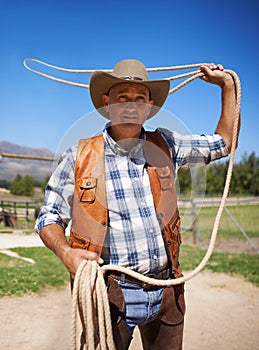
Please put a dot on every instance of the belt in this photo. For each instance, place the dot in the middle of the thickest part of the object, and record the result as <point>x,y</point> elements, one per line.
<point>124,278</point>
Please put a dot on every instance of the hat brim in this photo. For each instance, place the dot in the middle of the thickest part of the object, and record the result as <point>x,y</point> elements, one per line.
<point>101,82</point>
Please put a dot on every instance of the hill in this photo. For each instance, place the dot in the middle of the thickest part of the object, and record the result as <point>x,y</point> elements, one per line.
<point>10,167</point>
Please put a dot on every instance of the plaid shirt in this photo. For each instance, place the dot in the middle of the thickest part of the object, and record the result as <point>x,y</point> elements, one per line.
<point>133,237</point>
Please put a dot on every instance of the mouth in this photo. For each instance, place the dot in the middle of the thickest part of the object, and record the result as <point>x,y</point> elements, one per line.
<point>129,118</point>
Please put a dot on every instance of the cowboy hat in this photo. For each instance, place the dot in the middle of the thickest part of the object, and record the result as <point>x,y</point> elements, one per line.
<point>132,71</point>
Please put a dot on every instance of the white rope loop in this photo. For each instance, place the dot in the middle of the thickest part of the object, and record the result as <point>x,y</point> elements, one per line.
<point>89,71</point>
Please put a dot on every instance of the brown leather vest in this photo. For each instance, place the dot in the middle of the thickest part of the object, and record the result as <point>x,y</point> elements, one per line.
<point>90,213</point>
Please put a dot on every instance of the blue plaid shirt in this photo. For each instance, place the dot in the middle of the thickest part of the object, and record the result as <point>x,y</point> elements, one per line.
<point>133,237</point>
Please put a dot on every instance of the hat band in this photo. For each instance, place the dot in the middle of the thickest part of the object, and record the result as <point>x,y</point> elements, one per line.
<point>129,77</point>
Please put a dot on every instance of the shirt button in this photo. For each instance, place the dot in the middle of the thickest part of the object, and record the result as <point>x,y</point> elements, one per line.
<point>155,257</point>
<point>151,231</point>
<point>142,203</point>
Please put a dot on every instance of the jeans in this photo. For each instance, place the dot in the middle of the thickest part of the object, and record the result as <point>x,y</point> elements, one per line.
<point>158,312</point>
<point>142,305</point>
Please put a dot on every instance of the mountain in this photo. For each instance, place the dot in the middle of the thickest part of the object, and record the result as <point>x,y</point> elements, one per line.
<point>10,167</point>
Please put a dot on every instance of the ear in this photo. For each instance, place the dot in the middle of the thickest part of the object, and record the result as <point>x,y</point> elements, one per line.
<point>150,104</point>
<point>106,100</point>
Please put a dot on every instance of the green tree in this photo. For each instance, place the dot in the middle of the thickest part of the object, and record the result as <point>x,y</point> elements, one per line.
<point>44,183</point>
<point>5,184</point>
<point>28,185</point>
<point>16,185</point>
<point>246,176</point>
<point>184,179</point>
<point>22,186</point>
<point>216,175</point>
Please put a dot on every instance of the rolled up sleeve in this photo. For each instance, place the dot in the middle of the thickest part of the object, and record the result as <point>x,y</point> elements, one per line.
<point>57,206</point>
<point>194,150</point>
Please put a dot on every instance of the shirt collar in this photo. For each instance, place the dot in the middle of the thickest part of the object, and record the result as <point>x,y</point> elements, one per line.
<point>116,149</point>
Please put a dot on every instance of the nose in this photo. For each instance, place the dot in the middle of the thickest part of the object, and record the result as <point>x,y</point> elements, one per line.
<point>131,105</point>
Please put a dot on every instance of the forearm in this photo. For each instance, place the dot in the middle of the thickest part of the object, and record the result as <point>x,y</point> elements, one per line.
<point>228,114</point>
<point>53,236</point>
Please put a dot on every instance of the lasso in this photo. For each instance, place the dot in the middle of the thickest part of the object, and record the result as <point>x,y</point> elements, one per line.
<point>90,299</point>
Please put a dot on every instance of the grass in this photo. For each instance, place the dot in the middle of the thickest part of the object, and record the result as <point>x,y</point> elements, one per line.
<point>246,265</point>
<point>19,277</point>
<point>246,215</point>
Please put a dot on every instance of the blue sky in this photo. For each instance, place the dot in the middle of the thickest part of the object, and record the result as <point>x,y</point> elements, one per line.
<point>38,112</point>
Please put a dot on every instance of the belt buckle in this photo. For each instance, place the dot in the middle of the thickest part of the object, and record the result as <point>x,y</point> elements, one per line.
<point>145,285</point>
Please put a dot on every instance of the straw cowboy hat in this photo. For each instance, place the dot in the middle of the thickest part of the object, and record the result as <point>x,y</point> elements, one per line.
<point>127,71</point>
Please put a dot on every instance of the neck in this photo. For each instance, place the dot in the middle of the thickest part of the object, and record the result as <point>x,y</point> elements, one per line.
<point>126,137</point>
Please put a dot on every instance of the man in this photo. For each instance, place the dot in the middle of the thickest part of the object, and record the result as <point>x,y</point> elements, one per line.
<point>118,188</point>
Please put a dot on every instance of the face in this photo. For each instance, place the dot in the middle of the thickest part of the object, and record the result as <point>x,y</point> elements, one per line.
<point>128,104</point>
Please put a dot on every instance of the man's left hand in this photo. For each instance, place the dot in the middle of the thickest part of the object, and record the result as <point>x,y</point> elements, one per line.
<point>215,74</point>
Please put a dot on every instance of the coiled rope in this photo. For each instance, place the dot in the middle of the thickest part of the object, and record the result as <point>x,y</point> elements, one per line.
<point>90,299</point>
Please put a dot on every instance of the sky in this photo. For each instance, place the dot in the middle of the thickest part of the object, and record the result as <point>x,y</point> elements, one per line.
<point>40,113</point>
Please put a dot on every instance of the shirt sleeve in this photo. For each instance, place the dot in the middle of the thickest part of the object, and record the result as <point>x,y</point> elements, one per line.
<point>57,206</point>
<point>194,150</point>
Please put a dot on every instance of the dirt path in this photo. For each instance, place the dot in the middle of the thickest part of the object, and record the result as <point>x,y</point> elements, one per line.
<point>222,313</point>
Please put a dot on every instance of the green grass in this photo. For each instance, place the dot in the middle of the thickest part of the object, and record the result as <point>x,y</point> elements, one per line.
<point>246,215</point>
<point>246,265</point>
<point>19,277</point>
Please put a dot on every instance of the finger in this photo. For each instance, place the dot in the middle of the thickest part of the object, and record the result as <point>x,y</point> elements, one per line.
<point>92,256</point>
<point>220,67</point>
<point>213,66</point>
<point>205,69</point>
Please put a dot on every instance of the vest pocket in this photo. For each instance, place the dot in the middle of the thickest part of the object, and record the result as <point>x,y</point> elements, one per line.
<point>78,242</point>
<point>165,179</point>
<point>87,189</point>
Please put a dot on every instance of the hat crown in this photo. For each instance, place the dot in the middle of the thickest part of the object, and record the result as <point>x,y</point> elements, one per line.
<point>130,70</point>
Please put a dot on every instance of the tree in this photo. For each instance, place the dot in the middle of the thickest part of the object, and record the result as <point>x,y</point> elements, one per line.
<point>5,184</point>
<point>16,185</point>
<point>184,178</point>
<point>44,183</point>
<point>28,185</point>
<point>246,176</point>
<point>22,186</point>
<point>216,175</point>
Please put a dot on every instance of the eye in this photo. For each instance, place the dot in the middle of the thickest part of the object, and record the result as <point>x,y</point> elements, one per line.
<point>140,99</point>
<point>121,98</point>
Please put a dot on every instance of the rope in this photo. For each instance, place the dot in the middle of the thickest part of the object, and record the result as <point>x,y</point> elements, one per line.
<point>93,289</point>
<point>89,71</point>
<point>90,304</point>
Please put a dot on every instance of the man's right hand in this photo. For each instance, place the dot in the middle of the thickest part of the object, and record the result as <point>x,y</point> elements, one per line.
<point>72,258</point>
<point>54,238</point>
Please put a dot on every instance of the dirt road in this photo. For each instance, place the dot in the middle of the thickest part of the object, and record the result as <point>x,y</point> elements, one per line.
<point>222,313</point>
